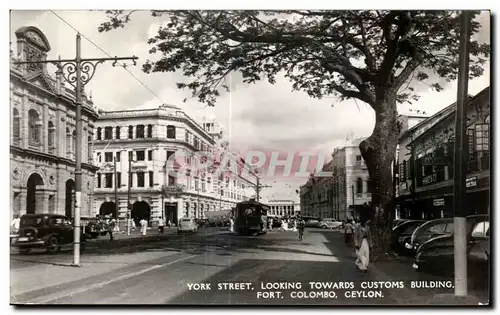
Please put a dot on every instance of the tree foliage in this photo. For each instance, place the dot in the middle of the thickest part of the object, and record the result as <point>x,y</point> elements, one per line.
<point>350,54</point>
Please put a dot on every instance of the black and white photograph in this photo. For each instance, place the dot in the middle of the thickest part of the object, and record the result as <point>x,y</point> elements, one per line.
<point>256,157</point>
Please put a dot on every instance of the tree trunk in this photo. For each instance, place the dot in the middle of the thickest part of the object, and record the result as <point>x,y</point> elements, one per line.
<point>379,151</point>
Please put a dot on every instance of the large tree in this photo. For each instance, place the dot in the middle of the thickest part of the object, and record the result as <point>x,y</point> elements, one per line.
<point>365,55</point>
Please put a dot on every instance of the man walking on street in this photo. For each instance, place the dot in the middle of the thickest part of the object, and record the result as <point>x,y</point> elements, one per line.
<point>14,225</point>
<point>301,225</point>
<point>111,228</point>
<point>348,232</point>
<point>144,226</point>
<point>161,226</point>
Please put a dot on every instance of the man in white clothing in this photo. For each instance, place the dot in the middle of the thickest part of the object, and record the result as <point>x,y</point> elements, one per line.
<point>144,226</point>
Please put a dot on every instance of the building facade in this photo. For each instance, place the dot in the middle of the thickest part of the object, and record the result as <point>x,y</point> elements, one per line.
<point>43,135</point>
<point>426,172</point>
<point>339,195</point>
<point>283,208</point>
<point>139,143</point>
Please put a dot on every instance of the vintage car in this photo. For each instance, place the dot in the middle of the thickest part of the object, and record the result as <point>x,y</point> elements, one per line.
<point>187,225</point>
<point>329,224</point>
<point>401,234</point>
<point>439,251</point>
<point>427,231</point>
<point>91,226</point>
<point>45,231</point>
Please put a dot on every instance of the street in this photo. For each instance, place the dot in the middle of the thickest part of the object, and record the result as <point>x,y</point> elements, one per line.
<point>171,270</point>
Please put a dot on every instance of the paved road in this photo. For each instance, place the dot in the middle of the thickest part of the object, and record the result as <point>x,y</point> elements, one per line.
<point>180,265</point>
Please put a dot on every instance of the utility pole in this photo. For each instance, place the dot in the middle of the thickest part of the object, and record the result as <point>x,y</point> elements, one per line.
<point>129,205</point>
<point>198,207</point>
<point>79,71</point>
<point>220,201</point>
<point>258,187</point>
<point>116,186</point>
<point>460,161</point>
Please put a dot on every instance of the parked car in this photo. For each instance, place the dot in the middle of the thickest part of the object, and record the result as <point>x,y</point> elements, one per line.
<point>438,252</point>
<point>329,224</point>
<point>397,222</point>
<point>312,223</point>
<point>48,231</point>
<point>402,233</point>
<point>427,231</point>
<point>202,223</point>
<point>187,225</point>
<point>91,226</point>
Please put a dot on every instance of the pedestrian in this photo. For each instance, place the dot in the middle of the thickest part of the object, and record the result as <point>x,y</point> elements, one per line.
<point>348,232</point>
<point>161,226</point>
<point>169,224</point>
<point>271,224</point>
<point>295,225</point>
<point>111,228</point>
<point>231,225</point>
<point>144,226</point>
<point>301,225</point>
<point>362,247</point>
<point>15,224</point>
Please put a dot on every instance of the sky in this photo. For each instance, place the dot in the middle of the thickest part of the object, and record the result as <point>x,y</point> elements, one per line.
<point>255,117</point>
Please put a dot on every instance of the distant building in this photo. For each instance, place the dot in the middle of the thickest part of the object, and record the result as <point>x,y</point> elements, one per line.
<point>283,208</point>
<point>145,140</point>
<point>340,195</point>
<point>43,135</point>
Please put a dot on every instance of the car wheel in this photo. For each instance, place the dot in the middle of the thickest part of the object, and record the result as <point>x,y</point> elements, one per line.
<point>24,251</point>
<point>324,227</point>
<point>53,245</point>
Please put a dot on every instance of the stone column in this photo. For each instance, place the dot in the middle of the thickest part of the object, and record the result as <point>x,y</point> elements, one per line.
<point>155,210</point>
<point>122,213</point>
<point>22,200</point>
<point>180,208</point>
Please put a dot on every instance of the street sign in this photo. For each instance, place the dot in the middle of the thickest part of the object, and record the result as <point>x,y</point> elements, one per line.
<point>436,160</point>
<point>173,189</point>
<point>438,202</point>
<point>471,182</point>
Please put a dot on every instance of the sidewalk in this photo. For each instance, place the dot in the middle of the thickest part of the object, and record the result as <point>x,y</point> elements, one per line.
<point>399,268</point>
<point>39,275</point>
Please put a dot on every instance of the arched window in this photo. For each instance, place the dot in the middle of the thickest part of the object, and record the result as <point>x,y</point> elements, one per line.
<point>34,127</point>
<point>171,132</point>
<point>130,132</point>
<point>139,132</point>
<point>51,133</point>
<point>117,131</point>
<point>16,124</point>
<point>150,131</point>
<point>99,132</point>
<point>359,185</point>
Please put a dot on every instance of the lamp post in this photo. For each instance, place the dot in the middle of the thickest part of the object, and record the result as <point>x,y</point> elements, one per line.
<point>78,72</point>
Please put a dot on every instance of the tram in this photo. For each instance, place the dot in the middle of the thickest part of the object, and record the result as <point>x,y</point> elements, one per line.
<point>250,217</point>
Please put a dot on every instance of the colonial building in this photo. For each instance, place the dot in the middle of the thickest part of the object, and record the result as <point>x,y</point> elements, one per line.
<point>283,208</point>
<point>426,173</point>
<point>139,143</point>
<point>339,195</point>
<point>43,135</point>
